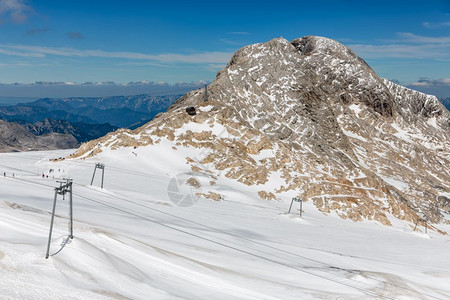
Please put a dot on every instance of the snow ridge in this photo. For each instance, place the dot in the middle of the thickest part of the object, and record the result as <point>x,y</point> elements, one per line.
<point>334,128</point>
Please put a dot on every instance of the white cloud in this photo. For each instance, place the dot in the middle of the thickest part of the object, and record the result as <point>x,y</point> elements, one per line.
<point>144,63</point>
<point>410,37</point>
<point>107,83</point>
<point>94,89</point>
<point>402,51</point>
<point>11,52</point>
<point>215,67</point>
<point>432,25</point>
<point>230,42</point>
<point>21,64</point>
<point>205,57</point>
<point>419,84</point>
<point>438,87</point>
<point>432,82</point>
<point>238,32</point>
<point>16,9</point>
<point>409,45</point>
<point>213,57</point>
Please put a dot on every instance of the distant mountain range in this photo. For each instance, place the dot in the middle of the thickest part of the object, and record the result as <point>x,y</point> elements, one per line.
<point>121,111</point>
<point>82,118</point>
<point>15,137</point>
<point>82,132</point>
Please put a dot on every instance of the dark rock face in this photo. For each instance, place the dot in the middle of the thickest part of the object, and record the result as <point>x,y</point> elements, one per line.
<point>444,203</point>
<point>50,125</point>
<point>14,137</point>
<point>81,131</point>
<point>304,45</point>
<point>380,100</point>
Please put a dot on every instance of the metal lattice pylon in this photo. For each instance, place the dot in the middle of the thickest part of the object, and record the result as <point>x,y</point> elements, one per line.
<point>64,187</point>
<point>99,166</point>
<point>300,204</point>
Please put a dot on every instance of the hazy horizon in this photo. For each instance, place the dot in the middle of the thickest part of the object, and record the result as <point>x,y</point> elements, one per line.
<point>76,42</point>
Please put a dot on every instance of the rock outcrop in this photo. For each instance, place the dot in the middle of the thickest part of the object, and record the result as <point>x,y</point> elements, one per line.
<point>314,114</point>
<point>14,137</point>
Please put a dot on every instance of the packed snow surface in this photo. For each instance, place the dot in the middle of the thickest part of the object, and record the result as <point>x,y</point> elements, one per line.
<point>131,241</point>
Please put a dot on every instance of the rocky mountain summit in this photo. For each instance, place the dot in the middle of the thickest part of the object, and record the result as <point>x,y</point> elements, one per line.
<point>311,116</point>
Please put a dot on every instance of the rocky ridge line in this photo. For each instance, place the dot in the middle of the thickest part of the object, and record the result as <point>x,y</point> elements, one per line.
<point>314,114</point>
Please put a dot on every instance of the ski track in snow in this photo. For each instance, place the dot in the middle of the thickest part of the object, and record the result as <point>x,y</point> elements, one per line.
<point>132,242</point>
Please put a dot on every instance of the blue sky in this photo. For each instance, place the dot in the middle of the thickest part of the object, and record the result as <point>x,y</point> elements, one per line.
<point>77,41</point>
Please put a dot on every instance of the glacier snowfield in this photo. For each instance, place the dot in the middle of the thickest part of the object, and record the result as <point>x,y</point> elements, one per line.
<point>131,241</point>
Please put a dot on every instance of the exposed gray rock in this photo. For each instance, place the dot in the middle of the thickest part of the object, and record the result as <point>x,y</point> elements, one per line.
<point>444,203</point>
<point>14,137</point>
<point>340,135</point>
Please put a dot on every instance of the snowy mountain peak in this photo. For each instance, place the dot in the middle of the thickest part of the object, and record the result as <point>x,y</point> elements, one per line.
<point>311,118</point>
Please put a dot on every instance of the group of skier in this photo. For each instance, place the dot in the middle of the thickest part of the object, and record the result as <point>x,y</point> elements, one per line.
<point>43,174</point>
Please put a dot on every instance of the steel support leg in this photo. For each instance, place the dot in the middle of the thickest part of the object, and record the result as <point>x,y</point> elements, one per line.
<point>71,212</point>
<point>103,175</point>
<point>51,226</point>
<point>301,206</point>
<point>292,201</point>
<point>93,175</point>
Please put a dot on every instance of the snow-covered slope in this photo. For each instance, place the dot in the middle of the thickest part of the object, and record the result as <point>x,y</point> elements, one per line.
<point>311,117</point>
<point>132,241</point>
<point>195,207</point>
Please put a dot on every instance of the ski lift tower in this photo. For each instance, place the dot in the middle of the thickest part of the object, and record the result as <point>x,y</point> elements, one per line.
<point>64,188</point>
<point>101,167</point>
<point>300,202</point>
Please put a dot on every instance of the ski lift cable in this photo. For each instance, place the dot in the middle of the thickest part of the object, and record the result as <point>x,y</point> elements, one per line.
<point>255,242</point>
<point>244,251</point>
<point>365,291</point>
<point>381,281</point>
<point>271,247</point>
<point>89,199</point>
